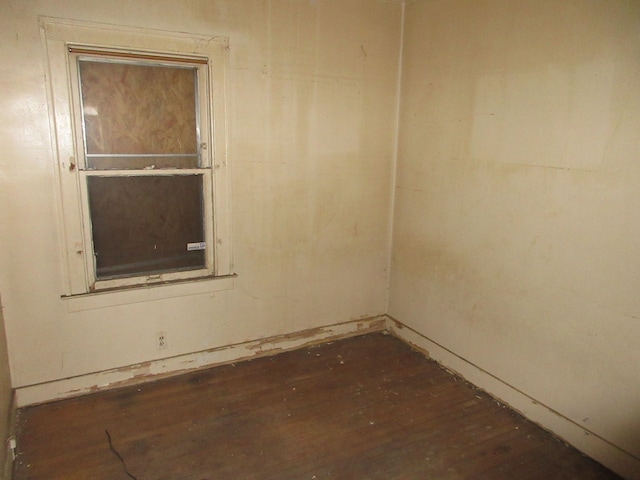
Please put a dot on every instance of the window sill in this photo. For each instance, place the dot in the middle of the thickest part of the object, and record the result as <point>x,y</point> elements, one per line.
<point>147,293</point>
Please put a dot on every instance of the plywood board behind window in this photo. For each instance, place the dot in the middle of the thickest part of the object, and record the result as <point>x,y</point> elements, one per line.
<point>139,109</point>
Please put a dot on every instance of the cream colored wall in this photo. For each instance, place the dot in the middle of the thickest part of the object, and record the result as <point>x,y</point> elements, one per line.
<point>515,225</point>
<point>311,105</point>
<point>516,221</point>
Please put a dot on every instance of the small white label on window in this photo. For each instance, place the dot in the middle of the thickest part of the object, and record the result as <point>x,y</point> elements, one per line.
<point>196,246</point>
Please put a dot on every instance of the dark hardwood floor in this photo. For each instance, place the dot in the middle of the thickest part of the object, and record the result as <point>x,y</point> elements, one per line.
<point>367,407</point>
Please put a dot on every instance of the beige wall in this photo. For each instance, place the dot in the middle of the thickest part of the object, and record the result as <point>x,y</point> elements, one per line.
<point>311,104</point>
<point>516,221</point>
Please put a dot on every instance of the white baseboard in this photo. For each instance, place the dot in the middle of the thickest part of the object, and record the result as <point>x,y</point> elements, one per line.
<point>591,444</point>
<point>144,372</point>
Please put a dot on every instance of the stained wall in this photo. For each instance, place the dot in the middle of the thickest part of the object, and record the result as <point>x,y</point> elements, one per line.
<point>515,222</point>
<point>516,227</point>
<point>311,97</point>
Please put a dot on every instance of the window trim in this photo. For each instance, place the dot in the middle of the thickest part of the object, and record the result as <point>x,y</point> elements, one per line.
<point>153,46</point>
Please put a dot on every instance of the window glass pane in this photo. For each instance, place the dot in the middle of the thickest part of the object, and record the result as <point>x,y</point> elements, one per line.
<point>142,225</point>
<point>137,116</point>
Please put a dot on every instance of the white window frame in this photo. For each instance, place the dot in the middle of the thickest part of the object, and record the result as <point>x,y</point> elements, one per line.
<point>66,123</point>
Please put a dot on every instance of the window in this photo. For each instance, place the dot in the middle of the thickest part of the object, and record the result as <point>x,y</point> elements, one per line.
<point>141,156</point>
<point>144,169</point>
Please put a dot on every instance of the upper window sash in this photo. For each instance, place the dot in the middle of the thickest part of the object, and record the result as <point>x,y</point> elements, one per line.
<point>145,151</point>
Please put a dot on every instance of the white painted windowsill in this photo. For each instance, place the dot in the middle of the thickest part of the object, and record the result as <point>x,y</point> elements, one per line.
<point>147,293</point>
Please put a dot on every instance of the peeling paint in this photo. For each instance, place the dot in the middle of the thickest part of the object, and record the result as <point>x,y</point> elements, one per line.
<point>169,367</point>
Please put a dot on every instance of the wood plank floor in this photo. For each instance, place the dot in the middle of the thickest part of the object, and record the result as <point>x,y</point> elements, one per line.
<point>367,407</point>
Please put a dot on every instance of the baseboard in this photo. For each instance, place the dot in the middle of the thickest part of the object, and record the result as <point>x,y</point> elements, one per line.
<point>620,461</point>
<point>148,371</point>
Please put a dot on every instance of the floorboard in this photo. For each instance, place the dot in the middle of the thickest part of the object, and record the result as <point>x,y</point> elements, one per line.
<point>367,407</point>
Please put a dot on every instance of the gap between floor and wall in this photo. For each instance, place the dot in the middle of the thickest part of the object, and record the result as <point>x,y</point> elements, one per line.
<point>613,457</point>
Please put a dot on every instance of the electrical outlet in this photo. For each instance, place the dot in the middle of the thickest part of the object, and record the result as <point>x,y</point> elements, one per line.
<point>161,340</point>
<point>11,443</point>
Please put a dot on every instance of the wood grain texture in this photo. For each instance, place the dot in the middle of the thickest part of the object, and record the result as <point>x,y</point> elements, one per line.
<point>367,407</point>
<point>139,109</point>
